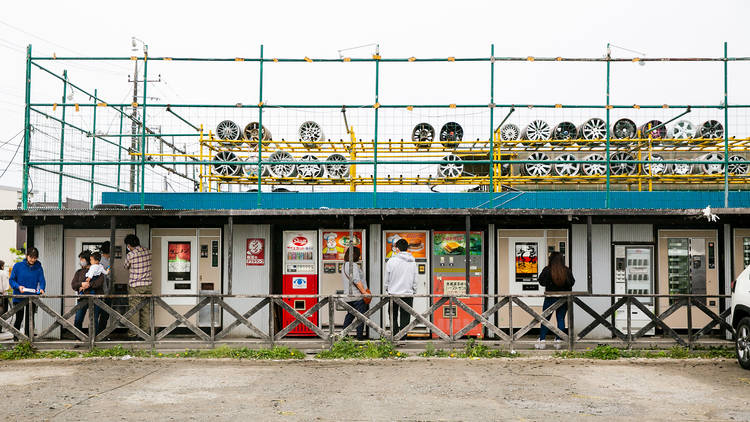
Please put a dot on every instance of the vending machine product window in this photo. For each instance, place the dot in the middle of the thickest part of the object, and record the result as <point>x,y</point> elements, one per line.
<point>178,263</point>
<point>678,266</point>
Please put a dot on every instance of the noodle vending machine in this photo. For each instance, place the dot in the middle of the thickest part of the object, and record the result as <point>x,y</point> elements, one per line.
<point>418,247</point>
<point>333,244</point>
<point>300,277</point>
<point>449,278</point>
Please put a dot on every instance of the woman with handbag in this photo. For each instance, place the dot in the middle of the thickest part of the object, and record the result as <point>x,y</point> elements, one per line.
<point>355,288</point>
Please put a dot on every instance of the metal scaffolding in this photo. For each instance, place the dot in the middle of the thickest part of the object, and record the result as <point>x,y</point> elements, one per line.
<point>493,163</point>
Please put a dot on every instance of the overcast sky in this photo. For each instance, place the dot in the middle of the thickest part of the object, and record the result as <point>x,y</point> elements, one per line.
<point>403,29</point>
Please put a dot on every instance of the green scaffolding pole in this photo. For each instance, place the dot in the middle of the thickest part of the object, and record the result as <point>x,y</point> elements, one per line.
<point>726,129</point>
<point>375,140</point>
<point>119,153</point>
<point>62,141</point>
<point>93,156</point>
<point>27,132</point>
<point>260,131</point>
<point>492,124</point>
<point>143,129</point>
<point>606,110</point>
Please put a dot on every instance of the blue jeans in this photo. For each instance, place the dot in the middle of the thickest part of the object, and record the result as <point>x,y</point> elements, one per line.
<point>81,315</point>
<point>559,313</point>
<point>360,306</point>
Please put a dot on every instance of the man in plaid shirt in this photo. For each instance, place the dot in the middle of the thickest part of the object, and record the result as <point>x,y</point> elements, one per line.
<point>138,261</point>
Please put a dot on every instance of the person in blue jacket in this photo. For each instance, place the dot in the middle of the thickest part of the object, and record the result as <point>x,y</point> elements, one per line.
<point>27,278</point>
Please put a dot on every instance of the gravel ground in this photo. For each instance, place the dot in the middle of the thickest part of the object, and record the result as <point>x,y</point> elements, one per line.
<point>411,389</point>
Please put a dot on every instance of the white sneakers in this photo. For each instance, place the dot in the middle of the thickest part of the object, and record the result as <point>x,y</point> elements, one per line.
<point>6,336</point>
<point>541,345</point>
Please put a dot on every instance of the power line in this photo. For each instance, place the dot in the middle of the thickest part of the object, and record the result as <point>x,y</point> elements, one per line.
<point>11,160</point>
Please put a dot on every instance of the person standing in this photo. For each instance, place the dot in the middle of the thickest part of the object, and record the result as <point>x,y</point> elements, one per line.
<point>27,278</point>
<point>401,279</point>
<point>81,286</point>
<point>3,290</point>
<point>106,285</point>
<point>555,277</point>
<point>138,262</point>
<point>355,287</point>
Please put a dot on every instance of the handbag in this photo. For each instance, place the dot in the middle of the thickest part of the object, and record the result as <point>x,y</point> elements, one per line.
<point>367,298</point>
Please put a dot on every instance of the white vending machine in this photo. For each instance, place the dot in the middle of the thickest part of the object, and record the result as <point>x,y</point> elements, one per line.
<point>634,275</point>
<point>419,241</point>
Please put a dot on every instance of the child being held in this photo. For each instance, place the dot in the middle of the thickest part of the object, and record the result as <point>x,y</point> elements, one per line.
<point>95,270</point>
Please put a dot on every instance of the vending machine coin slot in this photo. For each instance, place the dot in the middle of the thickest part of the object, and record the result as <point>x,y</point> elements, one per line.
<point>711,257</point>
<point>421,268</point>
<point>204,251</point>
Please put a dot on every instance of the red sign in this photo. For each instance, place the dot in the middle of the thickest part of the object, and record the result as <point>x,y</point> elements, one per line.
<point>256,252</point>
<point>299,241</point>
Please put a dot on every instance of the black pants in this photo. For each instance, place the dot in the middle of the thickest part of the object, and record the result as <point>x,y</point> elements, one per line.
<point>20,314</point>
<point>401,316</point>
<point>104,316</point>
<point>360,306</point>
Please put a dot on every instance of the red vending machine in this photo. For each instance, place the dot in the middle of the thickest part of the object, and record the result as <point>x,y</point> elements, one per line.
<point>449,278</point>
<point>300,277</point>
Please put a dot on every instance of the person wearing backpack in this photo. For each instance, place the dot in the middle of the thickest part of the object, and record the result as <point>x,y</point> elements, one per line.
<point>555,277</point>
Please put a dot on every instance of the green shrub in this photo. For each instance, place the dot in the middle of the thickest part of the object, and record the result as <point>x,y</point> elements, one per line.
<point>346,348</point>
<point>224,351</point>
<point>22,350</point>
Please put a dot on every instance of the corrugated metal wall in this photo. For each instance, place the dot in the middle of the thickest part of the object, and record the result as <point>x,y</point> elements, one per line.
<point>374,270</point>
<point>49,240</point>
<point>246,279</point>
<point>601,270</point>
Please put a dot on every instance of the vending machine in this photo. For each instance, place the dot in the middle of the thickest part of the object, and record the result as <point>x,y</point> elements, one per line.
<point>180,269</point>
<point>333,244</point>
<point>449,278</point>
<point>634,274</point>
<point>300,277</point>
<point>418,246</point>
<point>691,259</point>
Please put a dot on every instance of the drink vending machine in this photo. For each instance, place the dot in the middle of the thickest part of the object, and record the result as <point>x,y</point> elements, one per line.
<point>300,277</point>
<point>333,245</point>
<point>449,278</point>
<point>418,247</point>
<point>634,274</point>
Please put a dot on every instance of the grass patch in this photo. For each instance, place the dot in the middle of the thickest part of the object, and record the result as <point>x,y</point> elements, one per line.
<point>473,349</point>
<point>277,353</point>
<point>24,350</point>
<point>347,348</point>
<point>606,352</point>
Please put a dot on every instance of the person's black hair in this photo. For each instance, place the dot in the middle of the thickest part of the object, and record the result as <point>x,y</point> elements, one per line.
<point>104,248</point>
<point>32,252</point>
<point>402,245</point>
<point>2,264</point>
<point>97,256</point>
<point>85,255</point>
<point>132,240</point>
<point>355,252</point>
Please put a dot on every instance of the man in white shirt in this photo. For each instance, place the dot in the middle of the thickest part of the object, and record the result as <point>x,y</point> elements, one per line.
<point>401,279</point>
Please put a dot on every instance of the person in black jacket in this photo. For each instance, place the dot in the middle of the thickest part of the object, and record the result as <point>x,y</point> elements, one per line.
<point>555,277</point>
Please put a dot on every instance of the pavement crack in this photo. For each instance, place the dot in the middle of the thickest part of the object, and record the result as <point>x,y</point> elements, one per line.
<point>91,396</point>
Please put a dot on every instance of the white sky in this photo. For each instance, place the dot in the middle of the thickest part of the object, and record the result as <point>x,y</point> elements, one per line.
<point>403,29</point>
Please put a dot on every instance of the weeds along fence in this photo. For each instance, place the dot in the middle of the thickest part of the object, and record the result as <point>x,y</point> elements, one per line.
<point>493,123</point>
<point>686,320</point>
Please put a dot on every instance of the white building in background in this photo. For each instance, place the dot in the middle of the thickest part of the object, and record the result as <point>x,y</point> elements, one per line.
<point>12,234</point>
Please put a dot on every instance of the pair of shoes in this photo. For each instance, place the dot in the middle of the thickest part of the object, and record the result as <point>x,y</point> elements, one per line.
<point>540,344</point>
<point>558,344</point>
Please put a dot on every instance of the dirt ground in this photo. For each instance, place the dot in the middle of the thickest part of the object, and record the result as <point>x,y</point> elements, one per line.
<point>412,389</point>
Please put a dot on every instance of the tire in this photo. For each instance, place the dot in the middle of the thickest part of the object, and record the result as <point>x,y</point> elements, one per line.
<point>742,343</point>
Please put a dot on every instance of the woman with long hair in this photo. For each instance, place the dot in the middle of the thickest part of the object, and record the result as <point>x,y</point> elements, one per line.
<point>555,277</point>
